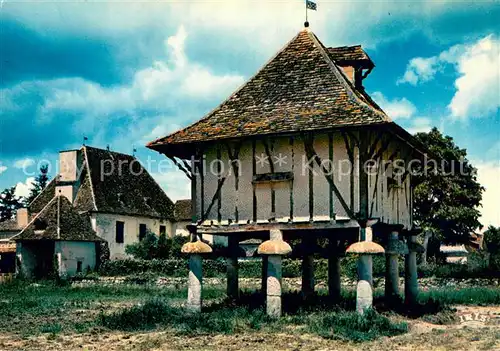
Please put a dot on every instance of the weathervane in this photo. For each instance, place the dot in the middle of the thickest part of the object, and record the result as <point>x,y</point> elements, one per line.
<point>310,5</point>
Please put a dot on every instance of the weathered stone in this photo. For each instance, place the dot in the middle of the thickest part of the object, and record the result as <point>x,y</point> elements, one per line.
<point>196,247</point>
<point>365,247</point>
<point>195,283</point>
<point>273,306</point>
<point>273,300</point>
<point>364,296</point>
<point>274,247</point>
<point>365,268</point>
<point>392,268</point>
<point>411,279</point>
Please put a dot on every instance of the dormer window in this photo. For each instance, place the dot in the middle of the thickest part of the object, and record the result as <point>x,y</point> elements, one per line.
<point>40,224</point>
<point>148,202</point>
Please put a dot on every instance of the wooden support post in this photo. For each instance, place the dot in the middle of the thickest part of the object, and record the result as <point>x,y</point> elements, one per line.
<point>232,268</point>
<point>411,279</point>
<point>334,286</point>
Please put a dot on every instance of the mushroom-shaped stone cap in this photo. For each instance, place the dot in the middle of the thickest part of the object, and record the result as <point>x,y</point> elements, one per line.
<point>196,247</point>
<point>396,247</point>
<point>274,247</point>
<point>366,248</point>
<point>415,247</point>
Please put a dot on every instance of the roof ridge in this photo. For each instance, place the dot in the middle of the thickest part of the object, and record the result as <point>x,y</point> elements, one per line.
<point>41,192</point>
<point>151,143</point>
<point>342,78</point>
<point>90,177</point>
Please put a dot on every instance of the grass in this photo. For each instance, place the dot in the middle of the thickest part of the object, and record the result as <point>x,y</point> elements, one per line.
<point>47,308</point>
<point>464,296</point>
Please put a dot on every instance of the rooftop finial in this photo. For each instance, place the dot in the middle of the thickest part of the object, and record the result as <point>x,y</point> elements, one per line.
<point>85,139</point>
<point>107,147</point>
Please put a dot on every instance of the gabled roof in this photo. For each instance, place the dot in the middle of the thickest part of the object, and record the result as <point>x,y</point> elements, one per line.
<point>300,89</point>
<point>183,210</point>
<point>113,182</point>
<point>72,225</point>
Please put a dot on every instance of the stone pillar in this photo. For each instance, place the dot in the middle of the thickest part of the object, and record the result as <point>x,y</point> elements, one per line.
<point>334,277</point>
<point>364,297</point>
<point>195,283</point>
<point>365,262</point>
<point>274,249</point>
<point>264,276</point>
<point>307,268</point>
<point>232,268</point>
<point>411,279</point>
<point>391,267</point>
<point>273,300</point>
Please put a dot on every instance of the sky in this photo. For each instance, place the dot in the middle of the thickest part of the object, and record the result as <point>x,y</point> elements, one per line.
<point>124,73</point>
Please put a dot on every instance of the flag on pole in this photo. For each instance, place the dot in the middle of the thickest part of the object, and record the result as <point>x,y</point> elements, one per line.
<point>311,5</point>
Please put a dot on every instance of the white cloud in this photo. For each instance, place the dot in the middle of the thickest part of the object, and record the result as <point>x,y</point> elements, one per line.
<point>166,90</point>
<point>478,87</point>
<point>396,108</point>
<point>24,163</point>
<point>489,176</point>
<point>478,84</point>
<point>420,70</point>
<point>420,125</point>
<point>2,168</point>
<point>23,189</point>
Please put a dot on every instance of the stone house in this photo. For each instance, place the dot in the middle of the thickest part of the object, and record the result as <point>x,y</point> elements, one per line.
<point>300,152</point>
<point>119,197</point>
<point>58,240</point>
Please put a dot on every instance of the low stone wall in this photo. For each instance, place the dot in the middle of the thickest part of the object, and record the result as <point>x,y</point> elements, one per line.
<point>290,283</point>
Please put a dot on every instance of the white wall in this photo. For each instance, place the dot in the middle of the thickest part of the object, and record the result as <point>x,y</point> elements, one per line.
<point>104,225</point>
<point>390,205</point>
<point>70,252</point>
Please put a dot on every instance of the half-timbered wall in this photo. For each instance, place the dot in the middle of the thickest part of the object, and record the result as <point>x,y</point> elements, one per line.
<point>273,178</point>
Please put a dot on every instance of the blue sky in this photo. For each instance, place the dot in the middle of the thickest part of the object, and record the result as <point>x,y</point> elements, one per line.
<point>124,73</point>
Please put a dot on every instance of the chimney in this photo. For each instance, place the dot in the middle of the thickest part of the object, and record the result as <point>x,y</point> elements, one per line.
<point>22,217</point>
<point>70,167</point>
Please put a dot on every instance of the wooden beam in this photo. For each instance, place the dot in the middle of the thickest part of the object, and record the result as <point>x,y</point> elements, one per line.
<point>216,197</point>
<point>186,172</point>
<point>311,153</point>
<point>263,227</point>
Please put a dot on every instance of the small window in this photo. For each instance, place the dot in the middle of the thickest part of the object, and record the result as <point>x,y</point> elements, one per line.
<point>79,266</point>
<point>142,231</point>
<point>119,232</point>
<point>163,230</point>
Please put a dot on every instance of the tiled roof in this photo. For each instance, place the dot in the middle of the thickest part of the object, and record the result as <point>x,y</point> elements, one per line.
<point>9,225</point>
<point>113,182</point>
<point>350,54</point>
<point>299,89</point>
<point>183,210</point>
<point>43,198</point>
<point>72,225</point>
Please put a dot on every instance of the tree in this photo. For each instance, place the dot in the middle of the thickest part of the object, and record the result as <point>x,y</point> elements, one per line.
<point>146,249</point>
<point>9,203</point>
<point>491,242</point>
<point>39,184</point>
<point>163,246</point>
<point>447,195</point>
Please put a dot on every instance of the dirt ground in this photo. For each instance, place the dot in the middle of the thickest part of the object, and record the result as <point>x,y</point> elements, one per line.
<point>477,328</point>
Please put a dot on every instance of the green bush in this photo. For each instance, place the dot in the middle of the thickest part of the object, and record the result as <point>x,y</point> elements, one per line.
<point>151,247</point>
